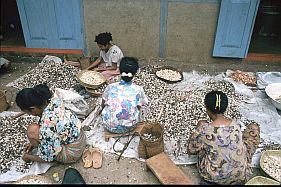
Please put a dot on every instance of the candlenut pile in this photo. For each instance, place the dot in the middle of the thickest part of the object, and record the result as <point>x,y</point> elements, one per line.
<point>55,74</point>
<point>182,110</point>
<point>12,141</point>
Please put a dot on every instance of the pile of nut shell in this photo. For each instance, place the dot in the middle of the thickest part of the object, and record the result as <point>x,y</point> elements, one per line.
<point>13,139</point>
<point>182,110</point>
<point>55,74</point>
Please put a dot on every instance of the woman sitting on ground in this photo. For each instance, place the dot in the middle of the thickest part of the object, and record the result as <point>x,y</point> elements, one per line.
<point>224,151</point>
<point>109,58</point>
<point>58,134</point>
<point>123,100</point>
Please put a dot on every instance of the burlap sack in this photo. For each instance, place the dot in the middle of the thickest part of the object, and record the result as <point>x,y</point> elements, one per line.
<point>147,148</point>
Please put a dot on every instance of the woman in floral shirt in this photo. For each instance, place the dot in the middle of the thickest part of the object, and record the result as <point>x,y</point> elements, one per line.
<point>58,135</point>
<point>224,151</point>
<point>122,100</point>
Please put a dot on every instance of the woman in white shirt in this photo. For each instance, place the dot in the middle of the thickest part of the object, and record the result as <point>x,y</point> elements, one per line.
<point>110,56</point>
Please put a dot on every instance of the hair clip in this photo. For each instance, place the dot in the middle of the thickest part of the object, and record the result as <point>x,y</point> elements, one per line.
<point>218,101</point>
<point>127,74</point>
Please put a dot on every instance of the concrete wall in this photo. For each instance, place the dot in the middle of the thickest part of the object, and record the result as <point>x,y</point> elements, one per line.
<point>191,31</point>
<point>188,33</point>
<point>134,25</point>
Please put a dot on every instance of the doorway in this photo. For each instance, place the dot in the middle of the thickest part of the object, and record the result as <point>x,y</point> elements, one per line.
<point>266,37</point>
<point>11,29</point>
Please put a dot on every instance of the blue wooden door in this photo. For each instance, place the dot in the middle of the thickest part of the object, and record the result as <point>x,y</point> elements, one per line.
<point>52,23</point>
<point>235,25</point>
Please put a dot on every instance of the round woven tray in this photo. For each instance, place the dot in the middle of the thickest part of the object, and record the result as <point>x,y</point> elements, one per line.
<point>170,68</point>
<point>34,179</point>
<point>260,180</point>
<point>265,154</point>
<point>93,92</point>
<point>92,86</point>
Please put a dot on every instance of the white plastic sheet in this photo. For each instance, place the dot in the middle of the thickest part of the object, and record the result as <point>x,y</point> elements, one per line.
<point>95,137</point>
<point>266,78</point>
<point>73,101</point>
<point>257,108</point>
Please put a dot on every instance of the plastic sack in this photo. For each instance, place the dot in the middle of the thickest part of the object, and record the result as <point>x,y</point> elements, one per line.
<point>73,101</point>
<point>266,78</point>
<point>49,58</point>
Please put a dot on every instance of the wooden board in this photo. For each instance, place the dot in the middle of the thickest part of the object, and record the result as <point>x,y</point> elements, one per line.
<point>108,135</point>
<point>166,170</point>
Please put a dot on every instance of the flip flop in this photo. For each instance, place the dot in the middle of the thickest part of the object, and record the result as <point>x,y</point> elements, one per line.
<point>97,158</point>
<point>87,158</point>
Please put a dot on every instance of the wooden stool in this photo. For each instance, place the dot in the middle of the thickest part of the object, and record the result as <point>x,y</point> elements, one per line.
<point>166,170</point>
<point>108,135</point>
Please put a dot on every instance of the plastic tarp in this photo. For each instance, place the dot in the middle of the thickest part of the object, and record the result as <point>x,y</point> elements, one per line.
<point>266,78</point>
<point>258,105</point>
<point>73,101</point>
<point>257,108</point>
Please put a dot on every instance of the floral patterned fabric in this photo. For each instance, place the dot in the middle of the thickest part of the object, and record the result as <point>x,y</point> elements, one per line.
<point>224,153</point>
<point>122,99</point>
<point>58,127</point>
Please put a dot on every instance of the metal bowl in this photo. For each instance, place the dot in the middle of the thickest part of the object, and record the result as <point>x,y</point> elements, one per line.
<point>274,93</point>
<point>264,155</point>
<point>260,180</point>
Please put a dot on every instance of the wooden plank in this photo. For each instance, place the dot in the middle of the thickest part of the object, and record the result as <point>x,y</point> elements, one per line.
<point>262,57</point>
<point>166,170</point>
<point>108,135</point>
<point>40,50</point>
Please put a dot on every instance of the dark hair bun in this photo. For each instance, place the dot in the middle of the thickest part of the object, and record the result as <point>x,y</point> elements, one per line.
<point>103,38</point>
<point>128,65</point>
<point>216,102</point>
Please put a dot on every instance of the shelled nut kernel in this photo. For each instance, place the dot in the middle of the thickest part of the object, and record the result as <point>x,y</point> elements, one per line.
<point>169,75</point>
<point>149,137</point>
<point>272,165</point>
<point>91,77</point>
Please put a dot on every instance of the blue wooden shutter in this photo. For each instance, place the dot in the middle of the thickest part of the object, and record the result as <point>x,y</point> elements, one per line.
<point>52,23</point>
<point>34,29</point>
<point>235,25</point>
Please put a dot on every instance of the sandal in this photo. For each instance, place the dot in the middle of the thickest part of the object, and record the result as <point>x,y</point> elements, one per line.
<point>87,158</point>
<point>97,158</point>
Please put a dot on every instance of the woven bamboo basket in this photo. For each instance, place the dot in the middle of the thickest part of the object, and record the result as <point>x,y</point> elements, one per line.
<point>260,180</point>
<point>148,148</point>
<point>93,92</point>
<point>265,154</point>
<point>92,86</point>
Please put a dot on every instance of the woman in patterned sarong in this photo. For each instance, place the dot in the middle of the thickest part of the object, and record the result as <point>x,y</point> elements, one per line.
<point>224,151</point>
<point>58,135</point>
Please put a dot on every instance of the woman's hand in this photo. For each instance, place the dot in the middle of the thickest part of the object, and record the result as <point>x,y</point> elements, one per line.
<point>201,122</point>
<point>26,157</point>
<point>27,147</point>
<point>29,157</point>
